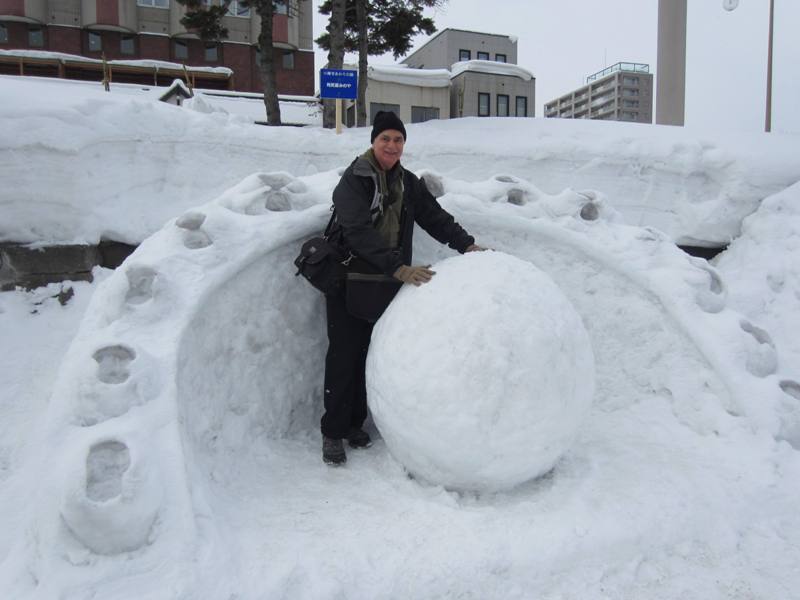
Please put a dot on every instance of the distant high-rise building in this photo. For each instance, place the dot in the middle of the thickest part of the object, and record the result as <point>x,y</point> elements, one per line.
<point>621,92</point>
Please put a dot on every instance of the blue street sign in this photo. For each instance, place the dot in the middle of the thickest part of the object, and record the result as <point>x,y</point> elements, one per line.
<point>338,83</point>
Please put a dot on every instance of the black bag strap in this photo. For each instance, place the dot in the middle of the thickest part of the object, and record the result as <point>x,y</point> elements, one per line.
<point>326,234</point>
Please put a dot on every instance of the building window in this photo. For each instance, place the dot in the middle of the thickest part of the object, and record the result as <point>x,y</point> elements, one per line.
<point>630,81</point>
<point>628,92</point>
<point>127,45</point>
<point>95,42</point>
<point>35,37</point>
<point>212,54</point>
<point>3,34</point>
<point>288,60</point>
<point>281,7</point>
<point>420,114</point>
<point>628,116</point>
<point>374,107</point>
<point>483,56</point>
<point>236,9</point>
<point>522,106</point>
<point>500,58</point>
<point>154,3</point>
<point>464,55</point>
<point>630,103</point>
<point>502,105</point>
<point>181,50</point>
<point>483,105</point>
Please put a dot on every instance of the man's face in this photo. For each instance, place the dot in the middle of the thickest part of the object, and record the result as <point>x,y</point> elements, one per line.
<point>388,148</point>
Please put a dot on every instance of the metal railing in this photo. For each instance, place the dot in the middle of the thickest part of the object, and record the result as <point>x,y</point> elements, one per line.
<point>620,66</point>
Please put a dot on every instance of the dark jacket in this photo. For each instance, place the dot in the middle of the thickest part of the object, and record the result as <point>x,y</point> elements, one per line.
<point>354,229</point>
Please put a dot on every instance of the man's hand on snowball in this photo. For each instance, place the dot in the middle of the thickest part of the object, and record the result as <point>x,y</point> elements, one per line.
<point>475,248</point>
<point>414,275</point>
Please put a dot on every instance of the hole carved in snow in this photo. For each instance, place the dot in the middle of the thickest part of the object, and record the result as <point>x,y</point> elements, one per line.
<point>480,379</point>
<point>113,363</point>
<point>140,284</point>
<point>762,359</point>
<point>792,388</point>
<point>105,466</point>
<point>194,240</point>
<point>711,293</point>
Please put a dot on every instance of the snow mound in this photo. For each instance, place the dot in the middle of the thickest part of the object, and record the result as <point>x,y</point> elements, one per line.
<point>479,380</point>
<point>182,433</point>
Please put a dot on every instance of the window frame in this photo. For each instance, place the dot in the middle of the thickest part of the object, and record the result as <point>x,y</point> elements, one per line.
<point>498,55</point>
<point>479,53</point>
<point>152,4</point>
<point>374,107</point>
<point>516,106</point>
<point>127,38</point>
<point>182,44</point>
<point>235,10</point>
<point>461,52</point>
<point>488,104</point>
<point>208,46</point>
<point>429,113</point>
<point>3,33</point>
<point>35,29</point>
<point>93,35</point>
<point>289,53</point>
<point>497,105</point>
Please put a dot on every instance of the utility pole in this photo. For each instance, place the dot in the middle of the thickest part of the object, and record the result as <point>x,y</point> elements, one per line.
<point>671,62</point>
<point>768,118</point>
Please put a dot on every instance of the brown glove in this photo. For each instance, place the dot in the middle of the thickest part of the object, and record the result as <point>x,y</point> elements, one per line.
<point>414,275</point>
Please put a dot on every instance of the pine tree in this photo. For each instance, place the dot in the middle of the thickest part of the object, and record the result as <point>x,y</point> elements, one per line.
<point>375,27</point>
<point>206,22</point>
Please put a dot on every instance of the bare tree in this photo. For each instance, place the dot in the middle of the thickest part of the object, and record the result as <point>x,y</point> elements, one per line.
<point>206,22</point>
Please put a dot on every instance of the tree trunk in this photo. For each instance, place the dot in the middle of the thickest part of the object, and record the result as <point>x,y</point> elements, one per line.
<point>361,103</point>
<point>335,55</point>
<point>265,10</point>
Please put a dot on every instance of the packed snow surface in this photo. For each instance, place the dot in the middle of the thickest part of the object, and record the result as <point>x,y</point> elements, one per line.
<point>479,379</point>
<point>93,156</point>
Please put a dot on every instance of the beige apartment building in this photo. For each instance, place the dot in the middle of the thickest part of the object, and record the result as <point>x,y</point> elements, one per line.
<point>131,31</point>
<point>621,92</point>
<point>485,78</point>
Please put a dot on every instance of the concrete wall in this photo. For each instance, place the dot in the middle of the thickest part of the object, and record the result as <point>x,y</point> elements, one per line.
<point>407,96</point>
<point>443,49</point>
<point>465,87</point>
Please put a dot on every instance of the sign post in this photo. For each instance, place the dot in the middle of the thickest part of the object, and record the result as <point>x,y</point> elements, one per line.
<point>338,84</point>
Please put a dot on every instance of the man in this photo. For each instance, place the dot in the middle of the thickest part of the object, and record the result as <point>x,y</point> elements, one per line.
<point>376,203</point>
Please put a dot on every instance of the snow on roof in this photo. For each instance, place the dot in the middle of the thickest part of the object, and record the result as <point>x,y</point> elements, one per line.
<point>403,75</point>
<point>491,67</point>
<point>156,64</point>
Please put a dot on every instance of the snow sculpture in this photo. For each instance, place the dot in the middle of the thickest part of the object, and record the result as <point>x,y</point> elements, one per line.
<point>480,379</point>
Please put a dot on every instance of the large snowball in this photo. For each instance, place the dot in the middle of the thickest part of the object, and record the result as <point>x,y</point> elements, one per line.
<point>479,379</point>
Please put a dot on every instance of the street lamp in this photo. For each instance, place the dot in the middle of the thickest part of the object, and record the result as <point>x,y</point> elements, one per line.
<point>731,5</point>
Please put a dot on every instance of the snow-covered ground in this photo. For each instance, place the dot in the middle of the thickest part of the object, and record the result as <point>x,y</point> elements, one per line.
<point>168,447</point>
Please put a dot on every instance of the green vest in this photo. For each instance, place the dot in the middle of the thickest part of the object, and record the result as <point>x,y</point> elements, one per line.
<point>391,200</point>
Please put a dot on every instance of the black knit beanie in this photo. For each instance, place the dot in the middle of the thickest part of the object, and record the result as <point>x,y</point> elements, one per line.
<point>386,120</point>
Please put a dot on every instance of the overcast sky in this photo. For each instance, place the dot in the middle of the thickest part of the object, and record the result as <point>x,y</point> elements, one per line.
<point>563,41</point>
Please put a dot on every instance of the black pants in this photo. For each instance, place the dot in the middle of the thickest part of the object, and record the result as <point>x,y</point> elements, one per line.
<point>345,388</point>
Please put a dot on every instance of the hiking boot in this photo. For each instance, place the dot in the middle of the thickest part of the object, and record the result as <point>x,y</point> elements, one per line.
<point>333,452</point>
<point>358,438</point>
